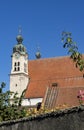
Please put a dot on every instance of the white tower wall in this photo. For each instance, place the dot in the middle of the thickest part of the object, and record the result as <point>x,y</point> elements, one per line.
<point>19,71</point>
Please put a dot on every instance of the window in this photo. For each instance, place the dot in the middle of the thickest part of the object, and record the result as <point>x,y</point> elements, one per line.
<point>17,66</point>
<point>18,63</point>
<point>16,85</point>
<point>15,69</point>
<point>54,84</point>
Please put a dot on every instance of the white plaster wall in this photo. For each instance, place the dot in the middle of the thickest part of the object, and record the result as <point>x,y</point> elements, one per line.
<point>18,83</point>
<point>19,79</point>
<point>31,102</point>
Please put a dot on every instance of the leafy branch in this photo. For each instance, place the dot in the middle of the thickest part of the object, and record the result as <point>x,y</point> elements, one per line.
<point>75,55</point>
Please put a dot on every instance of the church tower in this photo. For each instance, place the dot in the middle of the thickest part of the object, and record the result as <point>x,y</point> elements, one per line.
<point>19,70</point>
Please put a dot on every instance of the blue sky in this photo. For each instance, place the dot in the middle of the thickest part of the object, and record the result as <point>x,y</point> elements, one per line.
<point>42,23</point>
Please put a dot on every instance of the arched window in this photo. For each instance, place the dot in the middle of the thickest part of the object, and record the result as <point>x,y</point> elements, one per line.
<point>18,63</point>
<point>17,66</point>
<point>15,69</point>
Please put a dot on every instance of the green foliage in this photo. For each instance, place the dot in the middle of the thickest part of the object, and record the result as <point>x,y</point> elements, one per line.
<point>21,97</point>
<point>73,50</point>
<point>10,110</point>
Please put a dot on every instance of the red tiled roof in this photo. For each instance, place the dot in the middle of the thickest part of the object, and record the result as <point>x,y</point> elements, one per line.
<point>59,96</point>
<point>44,72</point>
<point>68,96</point>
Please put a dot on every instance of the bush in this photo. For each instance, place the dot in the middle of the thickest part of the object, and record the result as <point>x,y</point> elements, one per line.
<point>8,110</point>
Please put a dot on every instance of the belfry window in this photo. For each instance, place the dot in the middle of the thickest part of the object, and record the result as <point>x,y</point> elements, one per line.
<point>15,69</point>
<point>18,63</point>
<point>17,66</point>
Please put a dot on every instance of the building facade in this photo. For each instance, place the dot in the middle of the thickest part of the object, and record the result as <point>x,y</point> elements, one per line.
<point>36,76</point>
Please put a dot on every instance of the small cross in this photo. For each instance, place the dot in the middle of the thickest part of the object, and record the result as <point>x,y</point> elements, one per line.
<point>20,30</point>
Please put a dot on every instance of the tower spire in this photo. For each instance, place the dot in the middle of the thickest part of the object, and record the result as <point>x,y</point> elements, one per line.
<point>20,30</point>
<point>19,37</point>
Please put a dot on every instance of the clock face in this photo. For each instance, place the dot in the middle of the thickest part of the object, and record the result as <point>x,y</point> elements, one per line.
<point>17,55</point>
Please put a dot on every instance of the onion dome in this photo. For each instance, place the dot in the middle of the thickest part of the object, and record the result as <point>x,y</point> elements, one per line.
<point>19,47</point>
<point>19,39</point>
<point>38,55</point>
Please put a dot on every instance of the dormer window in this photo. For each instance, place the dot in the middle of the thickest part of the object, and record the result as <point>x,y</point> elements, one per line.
<point>54,84</point>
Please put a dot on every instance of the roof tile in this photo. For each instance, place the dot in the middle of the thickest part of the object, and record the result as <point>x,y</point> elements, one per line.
<point>44,72</point>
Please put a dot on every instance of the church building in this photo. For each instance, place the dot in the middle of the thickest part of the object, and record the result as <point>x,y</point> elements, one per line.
<point>53,81</point>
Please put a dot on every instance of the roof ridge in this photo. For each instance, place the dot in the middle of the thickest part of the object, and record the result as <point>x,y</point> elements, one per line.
<point>56,57</point>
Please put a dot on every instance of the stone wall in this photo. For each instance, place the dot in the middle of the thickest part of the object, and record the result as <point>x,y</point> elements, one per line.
<point>69,119</point>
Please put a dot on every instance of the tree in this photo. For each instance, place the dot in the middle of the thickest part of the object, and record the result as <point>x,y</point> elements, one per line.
<point>75,55</point>
<point>8,110</point>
